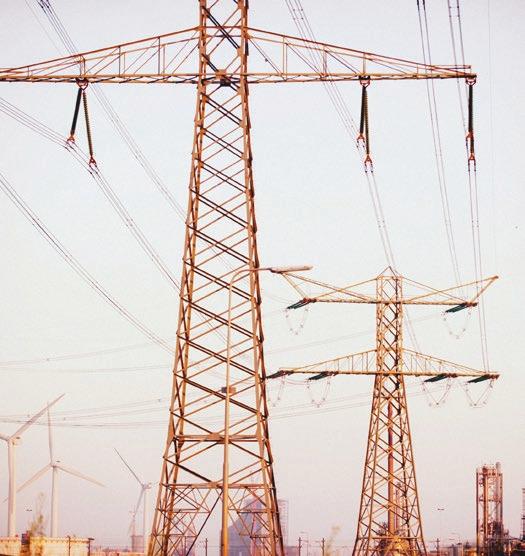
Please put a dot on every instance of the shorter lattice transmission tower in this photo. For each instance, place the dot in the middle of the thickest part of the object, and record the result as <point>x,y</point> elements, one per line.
<point>389,515</point>
<point>490,532</point>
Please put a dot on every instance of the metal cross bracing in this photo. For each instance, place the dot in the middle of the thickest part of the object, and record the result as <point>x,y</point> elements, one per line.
<point>220,240</point>
<point>490,531</point>
<point>389,519</point>
<point>220,229</point>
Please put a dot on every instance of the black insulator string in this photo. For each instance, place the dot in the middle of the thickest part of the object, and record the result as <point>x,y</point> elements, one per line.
<point>368,159</point>
<point>361,136</point>
<point>75,116</point>
<point>470,132</point>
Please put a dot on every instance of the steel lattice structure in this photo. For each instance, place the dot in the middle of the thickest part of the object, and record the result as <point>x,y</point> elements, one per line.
<point>220,232</point>
<point>220,240</point>
<point>389,519</point>
<point>490,531</point>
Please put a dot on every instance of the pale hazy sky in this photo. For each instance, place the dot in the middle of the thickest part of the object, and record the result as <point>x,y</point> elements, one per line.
<point>313,207</point>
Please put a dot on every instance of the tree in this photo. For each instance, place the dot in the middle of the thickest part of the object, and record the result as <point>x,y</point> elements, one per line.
<point>38,524</point>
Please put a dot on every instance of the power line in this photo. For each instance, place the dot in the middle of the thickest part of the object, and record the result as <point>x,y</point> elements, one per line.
<point>78,355</point>
<point>336,98</point>
<point>76,418</point>
<point>105,187</point>
<point>436,137</point>
<point>9,365</point>
<point>305,29</point>
<point>75,265</point>
<point>472,172</point>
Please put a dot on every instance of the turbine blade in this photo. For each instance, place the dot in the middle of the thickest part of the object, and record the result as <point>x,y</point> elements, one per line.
<point>34,478</point>
<point>78,474</point>
<point>35,417</point>
<point>130,470</point>
<point>4,437</point>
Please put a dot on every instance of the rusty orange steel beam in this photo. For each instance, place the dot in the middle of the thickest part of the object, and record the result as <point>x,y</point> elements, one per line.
<point>173,58</point>
<point>421,294</point>
<point>412,364</point>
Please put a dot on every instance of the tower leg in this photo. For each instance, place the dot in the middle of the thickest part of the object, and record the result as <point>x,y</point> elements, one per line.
<point>220,239</point>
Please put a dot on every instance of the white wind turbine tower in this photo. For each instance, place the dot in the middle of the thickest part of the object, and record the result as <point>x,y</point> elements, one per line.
<point>12,442</point>
<point>144,487</point>
<point>55,466</point>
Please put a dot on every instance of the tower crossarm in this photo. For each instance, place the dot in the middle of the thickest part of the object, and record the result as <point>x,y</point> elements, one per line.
<point>414,364</point>
<point>355,364</point>
<point>278,58</point>
<point>419,364</point>
<point>301,60</point>
<point>414,293</point>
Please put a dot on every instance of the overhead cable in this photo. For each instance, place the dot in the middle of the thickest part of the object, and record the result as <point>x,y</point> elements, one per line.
<point>75,265</point>
<point>436,138</point>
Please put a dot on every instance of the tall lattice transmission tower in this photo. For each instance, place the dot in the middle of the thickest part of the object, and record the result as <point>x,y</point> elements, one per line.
<point>220,241</point>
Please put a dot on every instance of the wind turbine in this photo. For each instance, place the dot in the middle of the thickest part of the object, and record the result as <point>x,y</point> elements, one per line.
<point>12,442</point>
<point>144,487</point>
<point>55,466</point>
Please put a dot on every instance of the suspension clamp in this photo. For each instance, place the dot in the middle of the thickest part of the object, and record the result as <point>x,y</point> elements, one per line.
<point>83,83</point>
<point>369,166</point>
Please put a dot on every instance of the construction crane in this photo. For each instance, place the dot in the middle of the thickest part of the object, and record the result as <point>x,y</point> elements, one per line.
<point>220,240</point>
<point>389,515</point>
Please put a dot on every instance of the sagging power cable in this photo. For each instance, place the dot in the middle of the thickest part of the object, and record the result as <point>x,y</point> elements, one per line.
<point>111,114</point>
<point>455,21</point>
<point>75,265</point>
<point>436,137</point>
<point>471,163</point>
<point>120,126</point>
<point>46,132</point>
<point>478,260</point>
<point>101,181</point>
<point>83,417</point>
<point>305,30</point>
